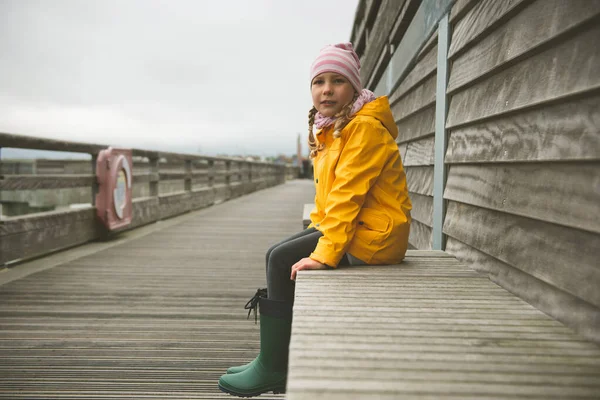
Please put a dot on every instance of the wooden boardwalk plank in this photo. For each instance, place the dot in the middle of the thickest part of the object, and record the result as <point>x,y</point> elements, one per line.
<point>155,317</point>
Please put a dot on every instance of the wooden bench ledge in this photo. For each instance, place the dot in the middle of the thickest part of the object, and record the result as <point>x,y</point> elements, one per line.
<point>430,328</point>
<point>306,215</point>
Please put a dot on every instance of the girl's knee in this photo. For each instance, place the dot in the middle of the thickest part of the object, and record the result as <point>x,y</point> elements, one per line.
<point>278,258</point>
<point>272,255</point>
<point>268,254</point>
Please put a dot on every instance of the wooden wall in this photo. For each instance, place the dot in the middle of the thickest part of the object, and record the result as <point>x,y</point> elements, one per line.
<point>523,156</point>
<point>413,106</point>
<point>523,184</point>
<point>380,24</point>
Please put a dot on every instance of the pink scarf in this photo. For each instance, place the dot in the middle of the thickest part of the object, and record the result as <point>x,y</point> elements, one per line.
<point>366,96</point>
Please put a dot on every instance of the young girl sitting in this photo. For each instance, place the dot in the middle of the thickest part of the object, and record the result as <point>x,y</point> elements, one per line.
<point>362,213</point>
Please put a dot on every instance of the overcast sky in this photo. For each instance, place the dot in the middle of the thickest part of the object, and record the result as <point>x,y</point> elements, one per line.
<point>178,75</point>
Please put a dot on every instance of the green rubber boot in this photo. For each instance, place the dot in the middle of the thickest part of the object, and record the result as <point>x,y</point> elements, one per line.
<point>268,373</point>
<point>241,368</point>
<point>250,305</point>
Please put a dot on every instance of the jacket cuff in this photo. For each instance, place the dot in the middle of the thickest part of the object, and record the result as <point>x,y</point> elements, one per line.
<point>329,261</point>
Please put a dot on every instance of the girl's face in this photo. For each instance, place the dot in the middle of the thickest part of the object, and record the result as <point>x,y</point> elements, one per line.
<point>330,93</point>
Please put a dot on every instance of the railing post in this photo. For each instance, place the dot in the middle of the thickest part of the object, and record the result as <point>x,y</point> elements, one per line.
<point>188,176</point>
<point>238,170</point>
<point>211,173</point>
<point>441,111</point>
<point>228,172</point>
<point>95,181</point>
<point>154,175</point>
<point>249,171</point>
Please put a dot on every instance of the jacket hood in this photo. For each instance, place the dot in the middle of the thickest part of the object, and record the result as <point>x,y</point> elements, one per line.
<point>380,110</point>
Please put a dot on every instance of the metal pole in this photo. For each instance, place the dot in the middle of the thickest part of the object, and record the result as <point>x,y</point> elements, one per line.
<point>441,111</point>
<point>95,182</point>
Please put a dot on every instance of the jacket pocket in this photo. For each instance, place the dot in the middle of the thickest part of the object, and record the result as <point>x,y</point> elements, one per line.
<point>372,226</point>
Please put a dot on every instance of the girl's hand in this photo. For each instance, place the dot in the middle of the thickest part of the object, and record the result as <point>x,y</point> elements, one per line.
<point>305,263</point>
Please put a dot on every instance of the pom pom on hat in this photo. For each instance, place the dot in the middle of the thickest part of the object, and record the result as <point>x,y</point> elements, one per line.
<point>341,59</point>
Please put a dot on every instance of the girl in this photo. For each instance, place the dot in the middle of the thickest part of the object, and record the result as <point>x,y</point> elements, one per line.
<point>362,213</point>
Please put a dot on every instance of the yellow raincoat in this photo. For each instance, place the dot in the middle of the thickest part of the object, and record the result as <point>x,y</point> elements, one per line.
<point>362,203</point>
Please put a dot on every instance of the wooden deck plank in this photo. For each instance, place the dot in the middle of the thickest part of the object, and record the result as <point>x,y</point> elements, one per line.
<point>159,316</point>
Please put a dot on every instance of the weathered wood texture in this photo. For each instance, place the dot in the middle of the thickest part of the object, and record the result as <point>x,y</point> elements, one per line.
<point>563,257</point>
<point>178,183</point>
<point>386,29</point>
<point>422,70</point>
<point>420,235</point>
<point>563,306</point>
<point>33,235</point>
<point>43,233</point>
<point>418,162</point>
<point>428,46</point>
<point>483,17</point>
<point>420,180</point>
<point>422,210</point>
<point>418,125</point>
<point>365,14</point>
<point>419,97</point>
<point>45,166</point>
<point>564,194</point>
<point>400,26</point>
<point>31,142</point>
<point>536,25</point>
<point>430,328</point>
<point>566,68</point>
<point>413,107</point>
<point>564,131</point>
<point>35,182</point>
<point>523,152</point>
<point>419,152</point>
<point>402,150</point>
<point>161,316</point>
<point>377,38</point>
<point>460,8</point>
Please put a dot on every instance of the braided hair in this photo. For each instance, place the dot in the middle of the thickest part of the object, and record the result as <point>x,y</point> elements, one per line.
<point>312,142</point>
<point>343,117</point>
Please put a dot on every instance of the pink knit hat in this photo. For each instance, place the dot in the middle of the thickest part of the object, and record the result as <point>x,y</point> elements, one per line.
<point>341,59</point>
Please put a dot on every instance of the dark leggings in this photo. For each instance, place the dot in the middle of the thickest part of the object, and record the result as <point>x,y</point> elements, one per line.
<point>280,259</point>
<point>284,254</point>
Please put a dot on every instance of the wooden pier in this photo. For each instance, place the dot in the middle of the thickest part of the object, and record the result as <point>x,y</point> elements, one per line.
<point>157,314</point>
